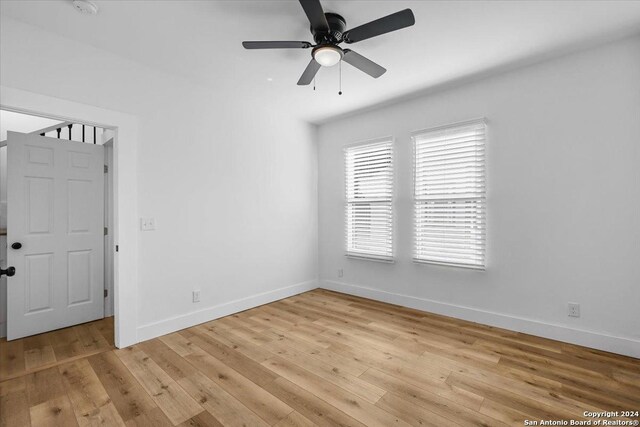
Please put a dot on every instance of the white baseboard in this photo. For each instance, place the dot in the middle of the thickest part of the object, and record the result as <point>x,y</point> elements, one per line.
<point>597,340</point>
<point>163,327</point>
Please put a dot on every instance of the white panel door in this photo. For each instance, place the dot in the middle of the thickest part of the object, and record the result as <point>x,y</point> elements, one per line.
<point>55,212</point>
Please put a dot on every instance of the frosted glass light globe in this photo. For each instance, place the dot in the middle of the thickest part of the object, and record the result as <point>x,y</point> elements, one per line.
<point>327,56</point>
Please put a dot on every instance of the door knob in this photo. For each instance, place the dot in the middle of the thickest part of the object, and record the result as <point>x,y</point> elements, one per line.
<point>16,245</point>
<point>10,271</point>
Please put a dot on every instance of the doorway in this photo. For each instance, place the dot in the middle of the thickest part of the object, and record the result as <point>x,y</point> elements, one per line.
<point>57,210</point>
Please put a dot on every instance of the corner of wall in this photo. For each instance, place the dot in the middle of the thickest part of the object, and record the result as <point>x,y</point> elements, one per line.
<point>167,326</point>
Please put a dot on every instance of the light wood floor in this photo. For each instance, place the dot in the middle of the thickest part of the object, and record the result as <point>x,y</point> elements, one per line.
<point>320,358</point>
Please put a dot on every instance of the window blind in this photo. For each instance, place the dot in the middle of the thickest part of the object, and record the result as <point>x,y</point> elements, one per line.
<point>369,197</point>
<point>450,195</point>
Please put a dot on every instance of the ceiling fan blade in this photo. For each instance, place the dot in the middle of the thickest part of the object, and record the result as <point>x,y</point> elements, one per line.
<point>393,22</point>
<point>363,64</point>
<point>276,45</point>
<point>309,73</point>
<point>315,13</point>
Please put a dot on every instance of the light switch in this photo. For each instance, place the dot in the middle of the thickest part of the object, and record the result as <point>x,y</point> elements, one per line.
<point>147,224</point>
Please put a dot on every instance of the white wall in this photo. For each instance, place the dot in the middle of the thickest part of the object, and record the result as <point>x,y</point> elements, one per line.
<point>563,201</point>
<point>232,185</point>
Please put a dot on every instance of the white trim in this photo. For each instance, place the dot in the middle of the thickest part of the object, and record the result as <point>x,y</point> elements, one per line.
<point>450,264</point>
<point>125,176</point>
<point>597,340</point>
<point>364,257</point>
<point>183,321</point>
<point>372,141</point>
<point>479,120</point>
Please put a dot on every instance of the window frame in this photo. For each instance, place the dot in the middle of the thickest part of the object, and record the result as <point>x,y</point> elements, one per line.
<point>414,135</point>
<point>363,256</point>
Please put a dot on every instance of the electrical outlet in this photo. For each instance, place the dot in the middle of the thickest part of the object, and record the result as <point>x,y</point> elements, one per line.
<point>340,272</point>
<point>196,296</point>
<point>147,224</point>
<point>573,309</point>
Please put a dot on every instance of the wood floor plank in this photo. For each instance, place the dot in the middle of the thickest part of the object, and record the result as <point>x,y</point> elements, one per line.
<point>250,349</point>
<point>440,387</point>
<point>411,413</point>
<point>348,403</point>
<point>170,361</point>
<point>12,360</point>
<point>294,419</point>
<point>389,360</point>
<point>513,400</point>
<point>251,335</point>
<point>503,413</point>
<point>152,418</point>
<point>91,338</point>
<point>224,407</point>
<point>14,403</point>
<point>531,387</point>
<point>177,405</point>
<point>286,306</point>
<point>318,358</point>
<point>66,343</point>
<point>203,419</point>
<point>44,385</point>
<point>600,399</point>
<point>310,406</point>
<point>90,401</point>
<point>350,364</point>
<point>125,392</point>
<point>178,343</point>
<point>586,383</point>
<point>259,400</point>
<point>240,363</point>
<point>270,321</point>
<point>242,321</point>
<point>55,413</point>
<point>38,352</point>
<point>432,402</point>
<point>105,328</point>
<point>331,373</point>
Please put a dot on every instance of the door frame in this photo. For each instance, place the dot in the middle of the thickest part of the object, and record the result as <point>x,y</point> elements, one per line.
<point>125,193</point>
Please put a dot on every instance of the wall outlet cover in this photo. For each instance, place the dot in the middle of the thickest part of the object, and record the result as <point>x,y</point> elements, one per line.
<point>573,309</point>
<point>196,296</point>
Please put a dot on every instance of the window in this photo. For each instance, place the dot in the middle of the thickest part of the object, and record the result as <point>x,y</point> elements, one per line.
<point>369,210</point>
<point>449,195</point>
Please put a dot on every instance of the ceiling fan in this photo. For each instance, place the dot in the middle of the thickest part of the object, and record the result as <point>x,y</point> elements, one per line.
<point>328,30</point>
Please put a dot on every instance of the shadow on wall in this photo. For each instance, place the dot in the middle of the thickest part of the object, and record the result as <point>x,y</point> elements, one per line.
<point>624,33</point>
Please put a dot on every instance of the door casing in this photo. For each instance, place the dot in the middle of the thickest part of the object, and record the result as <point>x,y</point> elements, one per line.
<point>125,181</point>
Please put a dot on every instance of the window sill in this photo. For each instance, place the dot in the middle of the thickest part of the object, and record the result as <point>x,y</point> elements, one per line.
<point>371,258</point>
<point>447,264</point>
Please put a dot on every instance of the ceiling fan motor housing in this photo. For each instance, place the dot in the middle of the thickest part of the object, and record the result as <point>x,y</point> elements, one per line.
<point>337,26</point>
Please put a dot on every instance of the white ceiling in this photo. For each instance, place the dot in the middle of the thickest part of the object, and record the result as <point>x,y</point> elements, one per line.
<point>201,40</point>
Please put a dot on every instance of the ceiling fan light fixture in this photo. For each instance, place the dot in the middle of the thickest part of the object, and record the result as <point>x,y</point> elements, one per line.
<point>327,56</point>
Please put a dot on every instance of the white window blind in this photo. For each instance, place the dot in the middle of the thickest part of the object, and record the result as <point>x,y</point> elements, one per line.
<point>450,195</point>
<point>369,210</point>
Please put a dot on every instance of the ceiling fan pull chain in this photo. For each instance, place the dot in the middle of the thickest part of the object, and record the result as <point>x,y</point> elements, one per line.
<point>340,88</point>
<point>314,82</point>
